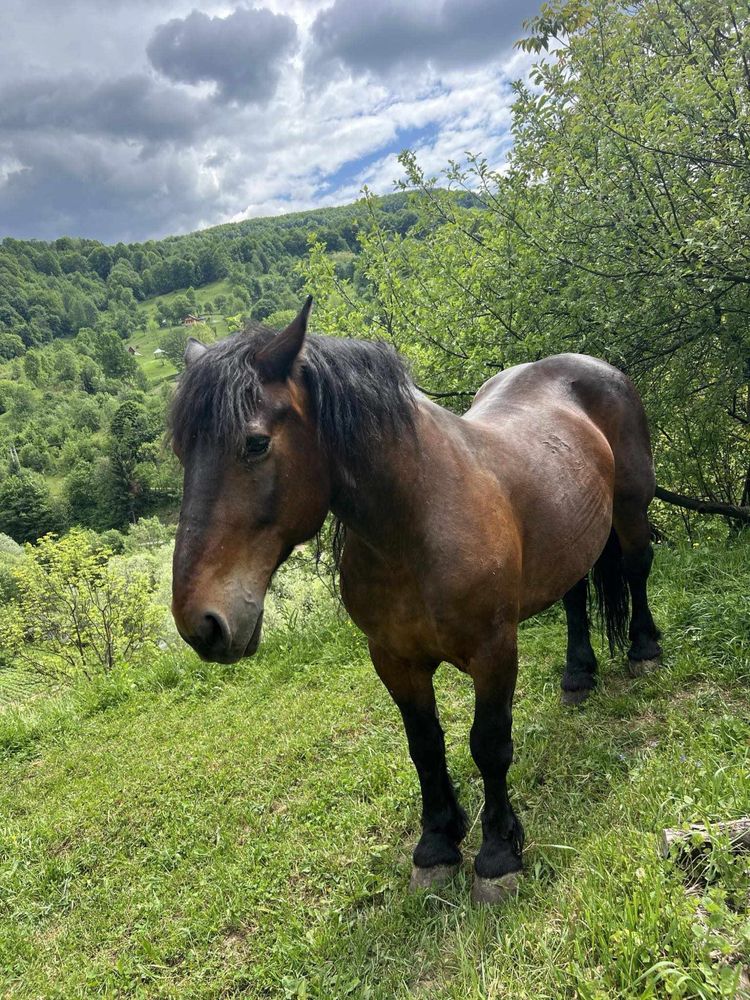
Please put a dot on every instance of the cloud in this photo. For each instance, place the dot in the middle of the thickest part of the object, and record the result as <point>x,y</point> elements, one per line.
<point>131,107</point>
<point>84,187</point>
<point>390,36</point>
<point>98,138</point>
<point>241,53</point>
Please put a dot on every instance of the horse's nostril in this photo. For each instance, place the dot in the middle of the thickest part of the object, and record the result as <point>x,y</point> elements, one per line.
<point>215,632</point>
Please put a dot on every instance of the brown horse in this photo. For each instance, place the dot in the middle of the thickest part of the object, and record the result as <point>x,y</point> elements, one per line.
<point>456,529</point>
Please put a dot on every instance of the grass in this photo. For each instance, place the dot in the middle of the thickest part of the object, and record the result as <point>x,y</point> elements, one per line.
<point>158,370</point>
<point>192,831</point>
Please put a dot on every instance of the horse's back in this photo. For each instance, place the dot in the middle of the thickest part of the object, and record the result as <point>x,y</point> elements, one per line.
<point>546,391</point>
<point>579,380</point>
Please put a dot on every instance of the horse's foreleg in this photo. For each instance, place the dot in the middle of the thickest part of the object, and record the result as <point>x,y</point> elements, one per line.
<point>499,859</point>
<point>437,855</point>
<point>580,662</point>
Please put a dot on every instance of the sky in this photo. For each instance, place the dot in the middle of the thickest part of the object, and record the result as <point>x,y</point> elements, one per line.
<point>135,119</point>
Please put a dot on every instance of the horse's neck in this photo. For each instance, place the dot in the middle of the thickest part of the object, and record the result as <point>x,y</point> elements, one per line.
<point>385,501</point>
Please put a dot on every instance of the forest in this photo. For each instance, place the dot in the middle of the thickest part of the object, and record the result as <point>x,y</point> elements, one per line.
<point>175,828</point>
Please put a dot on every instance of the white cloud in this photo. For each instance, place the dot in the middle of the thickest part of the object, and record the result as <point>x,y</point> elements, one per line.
<point>175,159</point>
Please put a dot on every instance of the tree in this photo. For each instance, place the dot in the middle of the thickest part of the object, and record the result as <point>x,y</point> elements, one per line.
<point>129,431</point>
<point>113,356</point>
<point>11,345</point>
<point>26,508</point>
<point>619,229</point>
<point>100,259</point>
<point>174,341</point>
<point>73,615</point>
<point>87,496</point>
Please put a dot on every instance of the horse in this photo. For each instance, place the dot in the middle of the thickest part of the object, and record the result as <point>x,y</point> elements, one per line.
<point>456,528</point>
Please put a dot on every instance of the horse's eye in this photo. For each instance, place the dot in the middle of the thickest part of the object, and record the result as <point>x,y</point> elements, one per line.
<point>257,445</point>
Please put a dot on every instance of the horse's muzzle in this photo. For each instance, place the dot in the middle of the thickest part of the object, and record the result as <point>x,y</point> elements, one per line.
<point>215,640</point>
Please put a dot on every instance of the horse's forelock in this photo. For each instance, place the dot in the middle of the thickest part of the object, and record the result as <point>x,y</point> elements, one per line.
<point>360,392</point>
<point>219,393</point>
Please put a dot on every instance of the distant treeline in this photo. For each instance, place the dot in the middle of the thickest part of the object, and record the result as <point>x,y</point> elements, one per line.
<point>51,290</point>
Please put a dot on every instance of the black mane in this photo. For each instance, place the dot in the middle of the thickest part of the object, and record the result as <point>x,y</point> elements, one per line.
<point>360,392</point>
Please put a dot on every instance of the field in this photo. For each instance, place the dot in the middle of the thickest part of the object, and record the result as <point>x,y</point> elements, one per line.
<point>146,341</point>
<point>186,830</point>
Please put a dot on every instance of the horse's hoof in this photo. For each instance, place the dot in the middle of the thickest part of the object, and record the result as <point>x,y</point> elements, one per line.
<point>431,878</point>
<point>576,697</point>
<point>636,668</point>
<point>491,891</point>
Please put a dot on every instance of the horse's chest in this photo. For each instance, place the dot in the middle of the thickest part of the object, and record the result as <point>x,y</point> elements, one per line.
<point>382,601</point>
<point>421,608</point>
<point>389,604</point>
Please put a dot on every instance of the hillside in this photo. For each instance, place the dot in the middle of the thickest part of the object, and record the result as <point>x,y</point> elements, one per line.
<point>184,829</point>
<point>80,327</point>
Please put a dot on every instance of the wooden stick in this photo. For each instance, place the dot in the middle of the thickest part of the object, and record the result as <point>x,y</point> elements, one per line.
<point>738,831</point>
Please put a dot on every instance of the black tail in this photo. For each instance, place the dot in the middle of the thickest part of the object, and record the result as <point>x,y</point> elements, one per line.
<point>611,592</point>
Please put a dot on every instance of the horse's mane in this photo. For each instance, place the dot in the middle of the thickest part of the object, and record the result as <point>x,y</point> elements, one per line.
<point>360,393</point>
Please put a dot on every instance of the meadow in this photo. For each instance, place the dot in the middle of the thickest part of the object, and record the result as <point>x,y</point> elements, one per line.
<point>180,829</point>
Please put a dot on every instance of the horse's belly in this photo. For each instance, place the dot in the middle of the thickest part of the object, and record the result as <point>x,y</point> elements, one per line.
<point>567,526</point>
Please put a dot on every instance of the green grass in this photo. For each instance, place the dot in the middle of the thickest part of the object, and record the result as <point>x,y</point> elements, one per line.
<point>158,370</point>
<point>197,831</point>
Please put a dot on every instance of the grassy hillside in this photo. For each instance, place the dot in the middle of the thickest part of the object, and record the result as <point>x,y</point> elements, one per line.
<point>196,831</point>
<point>150,334</point>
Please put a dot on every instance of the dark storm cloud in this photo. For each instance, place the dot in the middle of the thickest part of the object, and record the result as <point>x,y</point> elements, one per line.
<point>132,107</point>
<point>365,37</point>
<point>241,53</point>
<point>84,187</point>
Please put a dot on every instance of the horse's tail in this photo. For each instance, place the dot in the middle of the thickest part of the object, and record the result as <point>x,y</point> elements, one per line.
<point>611,594</point>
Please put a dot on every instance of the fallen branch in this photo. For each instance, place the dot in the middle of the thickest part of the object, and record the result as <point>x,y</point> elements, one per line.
<point>687,844</point>
<point>703,506</point>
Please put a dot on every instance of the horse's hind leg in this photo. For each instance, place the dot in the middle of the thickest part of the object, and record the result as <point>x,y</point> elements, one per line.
<point>634,533</point>
<point>579,678</point>
<point>437,855</point>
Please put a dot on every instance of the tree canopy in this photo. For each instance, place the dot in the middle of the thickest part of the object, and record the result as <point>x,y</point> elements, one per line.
<point>619,229</point>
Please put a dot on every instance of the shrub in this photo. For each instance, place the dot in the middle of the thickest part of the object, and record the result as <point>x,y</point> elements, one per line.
<point>9,547</point>
<point>147,533</point>
<point>113,540</point>
<point>27,510</point>
<point>74,615</point>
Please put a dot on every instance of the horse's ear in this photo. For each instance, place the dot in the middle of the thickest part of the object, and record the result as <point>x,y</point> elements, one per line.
<point>193,350</point>
<point>275,360</point>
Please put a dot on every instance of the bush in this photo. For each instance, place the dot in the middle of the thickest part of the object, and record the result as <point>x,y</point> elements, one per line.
<point>8,585</point>
<point>73,614</point>
<point>113,540</point>
<point>9,547</point>
<point>147,533</point>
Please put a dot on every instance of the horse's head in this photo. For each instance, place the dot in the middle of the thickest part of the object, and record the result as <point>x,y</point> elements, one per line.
<point>255,483</point>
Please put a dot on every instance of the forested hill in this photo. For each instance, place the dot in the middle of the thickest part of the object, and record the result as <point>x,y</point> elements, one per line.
<point>50,290</point>
<point>91,337</point>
